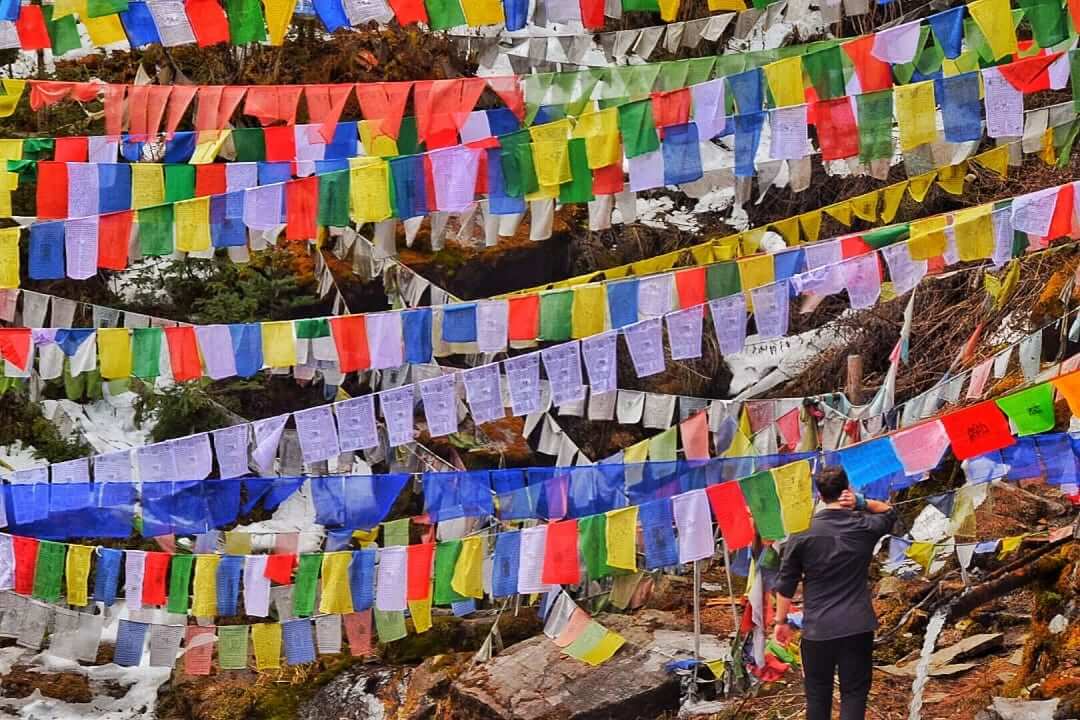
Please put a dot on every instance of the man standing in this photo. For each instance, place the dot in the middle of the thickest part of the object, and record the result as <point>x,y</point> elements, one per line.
<point>832,561</point>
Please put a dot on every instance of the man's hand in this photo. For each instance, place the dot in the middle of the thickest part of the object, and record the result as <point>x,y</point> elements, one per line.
<point>847,500</point>
<point>782,634</point>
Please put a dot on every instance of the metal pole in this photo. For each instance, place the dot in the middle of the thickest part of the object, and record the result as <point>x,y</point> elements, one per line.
<point>697,628</point>
<point>730,589</point>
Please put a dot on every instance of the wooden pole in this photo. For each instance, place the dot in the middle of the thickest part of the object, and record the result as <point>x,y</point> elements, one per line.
<point>854,379</point>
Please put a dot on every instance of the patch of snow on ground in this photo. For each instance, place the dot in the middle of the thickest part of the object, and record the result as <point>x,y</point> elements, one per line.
<point>660,212</point>
<point>763,365</point>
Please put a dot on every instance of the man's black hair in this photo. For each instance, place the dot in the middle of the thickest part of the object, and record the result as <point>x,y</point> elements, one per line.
<point>830,483</point>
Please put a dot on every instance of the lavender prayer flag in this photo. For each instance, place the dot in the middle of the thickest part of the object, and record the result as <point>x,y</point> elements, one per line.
<point>823,276</point>
<point>130,639</point>
<point>156,462</point>
<point>102,148</point>
<point>241,176</point>
<point>454,171</point>
<point>81,247</point>
<point>523,382</point>
<point>897,45</point>
<point>231,448</point>
<point>771,308</point>
<point>492,322</point>
<point>134,566</point>
<point>298,641</point>
<point>1033,213</point>
<point>256,586</point>
<point>1003,235</point>
<point>215,346</point>
<point>357,429</point>
<point>788,139</point>
<point>646,342</point>
<point>397,409</point>
<point>328,634</point>
<point>655,295</point>
<point>1004,105</point>
<point>904,272</point>
<point>262,207</point>
<point>193,457</point>
<point>267,436</point>
<point>483,392</point>
<point>695,532</point>
<point>384,340</point>
<point>71,471</point>
<point>646,171</point>
<point>562,363</point>
<point>391,580</point>
<point>598,352</point>
<point>318,436</point>
<point>708,113</point>
<point>82,189</point>
<point>165,644</point>
<point>439,396</point>
<point>729,322</point>
<point>863,280</point>
<point>684,333</point>
<point>531,560</point>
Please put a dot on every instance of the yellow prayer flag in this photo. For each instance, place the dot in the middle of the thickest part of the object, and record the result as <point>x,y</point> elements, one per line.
<point>636,453</point>
<point>114,351</point>
<point>104,30</point>
<point>9,258</point>
<point>266,638</point>
<point>208,144</point>
<point>602,140</point>
<point>915,114</point>
<point>919,185</point>
<point>716,667</point>
<point>974,232</point>
<point>603,650</point>
<point>279,345</point>
<point>841,212</point>
<point>237,543</point>
<point>703,254</point>
<point>13,90</point>
<point>994,18</point>
<point>727,248</point>
<point>421,614</point>
<point>811,225</point>
<point>587,313</point>
<point>336,595</point>
<point>468,579</point>
<point>865,206</point>
<point>483,12</point>
<point>662,446</point>
<point>1009,545</point>
<point>147,185</point>
<point>77,572</point>
<point>891,197</point>
<point>965,62</point>
<point>1047,153</point>
<point>192,223</point>
<point>204,602</point>
<point>927,238</point>
<point>278,17</point>
<point>755,271</point>
<point>736,5</point>
<point>922,553</point>
<point>951,178</point>
<point>742,440</point>
<point>793,487</point>
<point>621,538</point>
<point>376,144</point>
<point>669,9</point>
<point>785,80</point>
<point>11,149</point>
<point>551,158</point>
<point>369,189</point>
<point>788,229</point>
<point>63,8</point>
<point>996,160</point>
<point>750,240</point>
<point>551,132</point>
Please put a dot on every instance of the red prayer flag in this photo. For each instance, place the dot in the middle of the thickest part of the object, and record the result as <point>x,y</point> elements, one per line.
<point>72,149</point>
<point>183,353</point>
<point>358,632</point>
<point>155,571</point>
<point>524,317</point>
<point>508,88</point>
<point>608,180</point>
<point>873,74</point>
<point>350,339</point>
<point>114,237</point>
<point>977,429</point>
<point>1030,74</point>
<point>114,109</point>
<point>671,108</point>
<point>279,568</point>
<point>325,104</point>
<point>25,551</point>
<point>15,346</point>
<point>732,515</point>
<point>592,14</point>
<point>838,136</point>
<point>179,99</point>
<point>790,429</point>
<point>1061,222</point>
<point>30,27</point>
<point>302,208</point>
<point>208,21</point>
<point>854,246</point>
<point>690,285</point>
<point>383,104</point>
<point>280,143</point>
<point>52,189</point>
<point>272,104</point>
<point>409,11</point>
<point>561,566</point>
<point>210,179</point>
<point>420,557</point>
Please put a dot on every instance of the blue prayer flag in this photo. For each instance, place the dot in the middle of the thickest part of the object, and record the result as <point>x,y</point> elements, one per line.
<point>416,330</point>
<point>410,190</point>
<point>622,299</point>
<point>298,641</point>
<point>107,574</point>
<point>504,564</point>
<point>869,461</point>
<point>180,147</point>
<point>948,27</point>
<point>46,259</point>
<point>130,639</point>
<point>682,154</point>
<point>114,187</point>
<point>516,12</point>
<point>247,348</point>
<point>499,203</point>
<point>139,24</point>
<point>332,14</point>
<point>658,532</point>
<point>229,571</point>
<point>747,139</point>
<point>344,143</point>
<point>748,90</point>
<point>961,107</point>
<point>459,323</point>
<point>362,579</point>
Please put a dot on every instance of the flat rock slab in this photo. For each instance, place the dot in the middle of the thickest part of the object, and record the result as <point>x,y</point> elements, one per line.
<point>533,680</point>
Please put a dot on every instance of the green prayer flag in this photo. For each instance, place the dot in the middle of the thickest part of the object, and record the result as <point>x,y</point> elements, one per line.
<point>640,6</point>
<point>974,38</point>
<point>730,64</point>
<point>875,125</point>
<point>722,280</point>
<point>1063,148</point>
<point>49,570</point>
<point>519,175</point>
<point>312,328</point>
<point>408,140</point>
<point>445,14</point>
<point>638,128</point>
<point>446,557</point>
<point>673,74</point>
<point>881,237</point>
<point>74,385</point>
<point>179,182</point>
<point>179,582</point>
<point>759,490</point>
<point>592,537</point>
<point>579,189</point>
<point>589,638</point>
<point>555,315</point>
<point>536,88</point>
<point>63,33</point>
<point>643,79</point>
<point>1047,20</point>
<point>1031,410</point>
<point>396,532</point>
<point>826,71</point>
<point>246,23</point>
<point>36,148</point>
<point>250,144</point>
<point>232,647</point>
<point>307,578</point>
<point>390,625</point>
<point>662,446</point>
<point>156,230</point>
<point>930,59</point>
<point>146,352</point>
<point>101,8</point>
<point>1074,77</point>
<point>699,70</point>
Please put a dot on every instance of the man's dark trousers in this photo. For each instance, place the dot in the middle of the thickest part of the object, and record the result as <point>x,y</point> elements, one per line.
<point>852,658</point>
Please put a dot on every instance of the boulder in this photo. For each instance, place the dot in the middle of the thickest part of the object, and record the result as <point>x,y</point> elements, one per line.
<point>361,692</point>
